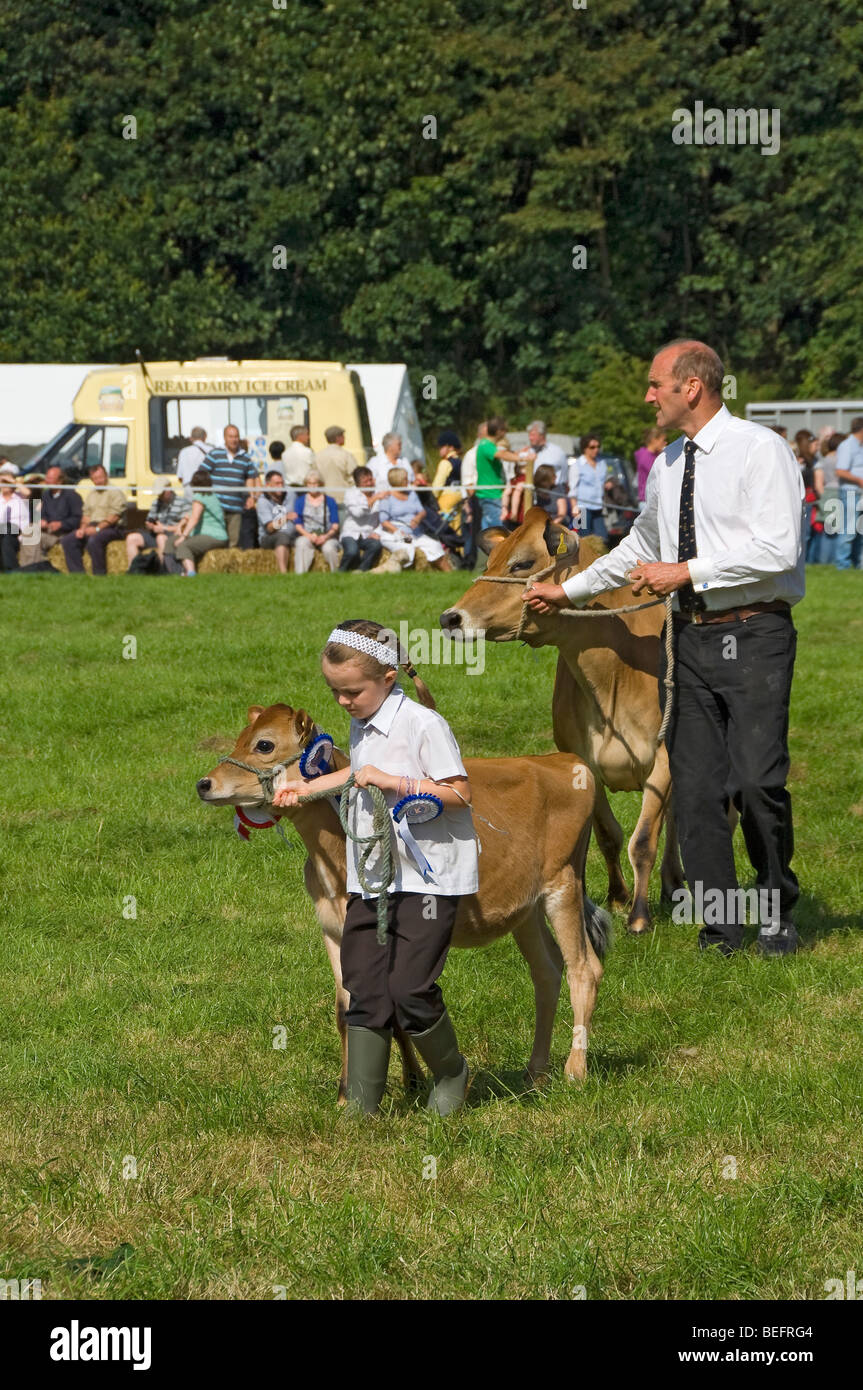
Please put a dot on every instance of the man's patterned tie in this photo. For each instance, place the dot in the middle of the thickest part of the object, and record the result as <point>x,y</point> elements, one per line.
<point>690,602</point>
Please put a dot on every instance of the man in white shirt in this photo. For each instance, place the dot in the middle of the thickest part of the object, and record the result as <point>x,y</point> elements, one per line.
<point>190,458</point>
<point>721,530</point>
<point>298,458</point>
<point>849,475</point>
<point>544,452</point>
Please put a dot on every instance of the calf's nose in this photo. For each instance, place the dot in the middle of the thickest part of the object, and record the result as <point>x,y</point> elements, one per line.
<point>204,786</point>
<point>450,620</point>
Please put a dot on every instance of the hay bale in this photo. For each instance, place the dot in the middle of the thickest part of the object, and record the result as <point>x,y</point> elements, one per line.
<point>233,561</point>
<point>115,558</point>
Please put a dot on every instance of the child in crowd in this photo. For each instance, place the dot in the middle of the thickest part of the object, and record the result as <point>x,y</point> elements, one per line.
<point>407,750</point>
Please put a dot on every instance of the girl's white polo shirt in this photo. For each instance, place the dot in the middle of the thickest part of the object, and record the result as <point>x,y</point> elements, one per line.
<point>408,740</point>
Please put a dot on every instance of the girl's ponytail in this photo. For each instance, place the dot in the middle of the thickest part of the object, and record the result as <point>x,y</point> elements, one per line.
<point>424,695</point>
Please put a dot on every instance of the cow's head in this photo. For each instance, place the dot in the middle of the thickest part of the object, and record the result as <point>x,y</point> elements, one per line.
<point>495,609</point>
<point>272,736</point>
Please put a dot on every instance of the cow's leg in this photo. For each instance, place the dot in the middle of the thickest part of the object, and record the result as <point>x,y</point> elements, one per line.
<point>564,906</point>
<point>645,840</point>
<point>671,869</point>
<point>539,949</point>
<point>609,837</point>
<point>342,1001</point>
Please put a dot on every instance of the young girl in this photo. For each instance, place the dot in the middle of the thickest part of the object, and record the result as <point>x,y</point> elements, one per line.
<point>408,750</point>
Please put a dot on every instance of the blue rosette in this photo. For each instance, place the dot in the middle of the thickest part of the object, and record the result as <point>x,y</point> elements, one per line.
<point>316,757</point>
<point>423,806</point>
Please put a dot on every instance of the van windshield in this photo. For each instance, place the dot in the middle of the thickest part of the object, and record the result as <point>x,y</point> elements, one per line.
<point>260,419</point>
<point>78,448</point>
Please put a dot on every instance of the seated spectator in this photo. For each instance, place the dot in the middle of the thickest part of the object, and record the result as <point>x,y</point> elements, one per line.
<point>549,494</point>
<point>160,527</point>
<point>360,531</point>
<point>203,527</point>
<point>400,516</point>
<point>14,516</point>
<point>317,526</point>
<point>277,517</point>
<point>101,522</point>
<point>59,513</point>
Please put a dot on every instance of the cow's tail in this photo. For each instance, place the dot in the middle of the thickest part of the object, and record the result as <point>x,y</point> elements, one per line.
<point>598,924</point>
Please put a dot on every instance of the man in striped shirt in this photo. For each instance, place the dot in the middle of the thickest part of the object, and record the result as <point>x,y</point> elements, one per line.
<point>230,468</point>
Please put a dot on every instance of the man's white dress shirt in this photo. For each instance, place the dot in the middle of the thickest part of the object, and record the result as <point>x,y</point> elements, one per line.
<point>408,740</point>
<point>748,515</point>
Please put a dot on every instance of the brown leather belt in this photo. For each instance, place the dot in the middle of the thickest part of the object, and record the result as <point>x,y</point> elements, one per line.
<point>731,615</point>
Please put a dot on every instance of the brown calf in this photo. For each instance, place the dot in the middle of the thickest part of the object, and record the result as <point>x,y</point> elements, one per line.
<point>531,867</point>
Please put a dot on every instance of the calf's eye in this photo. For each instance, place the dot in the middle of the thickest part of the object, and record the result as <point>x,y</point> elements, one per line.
<point>264,745</point>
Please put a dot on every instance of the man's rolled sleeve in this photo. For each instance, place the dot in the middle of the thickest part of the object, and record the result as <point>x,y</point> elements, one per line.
<point>612,571</point>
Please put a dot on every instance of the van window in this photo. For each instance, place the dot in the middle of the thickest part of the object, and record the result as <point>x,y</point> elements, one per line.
<point>172,420</point>
<point>84,447</point>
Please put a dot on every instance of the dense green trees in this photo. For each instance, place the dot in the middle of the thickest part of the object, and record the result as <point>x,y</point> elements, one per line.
<point>549,128</point>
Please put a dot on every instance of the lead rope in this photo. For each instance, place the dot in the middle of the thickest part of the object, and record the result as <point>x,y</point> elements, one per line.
<point>599,613</point>
<point>380,836</point>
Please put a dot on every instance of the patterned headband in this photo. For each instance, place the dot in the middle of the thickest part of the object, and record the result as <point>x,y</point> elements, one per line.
<point>364,644</point>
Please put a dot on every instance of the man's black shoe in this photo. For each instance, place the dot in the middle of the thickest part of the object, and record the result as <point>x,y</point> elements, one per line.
<point>779,940</point>
<point>718,943</point>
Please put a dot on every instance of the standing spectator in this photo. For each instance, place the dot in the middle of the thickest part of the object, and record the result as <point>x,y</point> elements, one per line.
<point>59,513</point>
<point>277,518</point>
<point>587,488</point>
<point>14,516</point>
<point>298,457</point>
<point>203,527</point>
<point>655,441</point>
<point>401,513</point>
<point>389,456</point>
<point>335,464</point>
<point>849,475</point>
<point>190,459</point>
<point>453,496</point>
<point>276,452</point>
<point>489,470</point>
<point>829,503</point>
<point>317,525</point>
<point>544,453</point>
<point>361,530</point>
<point>101,522</point>
<point>160,527</point>
<point>229,468</point>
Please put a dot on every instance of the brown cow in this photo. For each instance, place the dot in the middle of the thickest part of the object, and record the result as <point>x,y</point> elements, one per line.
<point>605,706</point>
<point>531,866</point>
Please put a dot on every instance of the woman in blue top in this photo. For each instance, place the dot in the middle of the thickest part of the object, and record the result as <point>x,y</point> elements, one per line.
<point>587,488</point>
<point>317,526</point>
<point>400,515</point>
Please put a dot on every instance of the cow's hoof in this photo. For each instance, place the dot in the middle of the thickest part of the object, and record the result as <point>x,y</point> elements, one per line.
<point>576,1067</point>
<point>639,926</point>
<point>535,1080</point>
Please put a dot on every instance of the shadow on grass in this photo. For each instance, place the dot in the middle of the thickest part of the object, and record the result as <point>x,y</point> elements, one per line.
<point>814,919</point>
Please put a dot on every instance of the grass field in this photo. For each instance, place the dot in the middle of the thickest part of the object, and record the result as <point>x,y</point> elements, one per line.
<point>146,1043</point>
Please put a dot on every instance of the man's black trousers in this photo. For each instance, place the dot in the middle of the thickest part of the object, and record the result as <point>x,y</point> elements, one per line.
<point>728,740</point>
<point>397,983</point>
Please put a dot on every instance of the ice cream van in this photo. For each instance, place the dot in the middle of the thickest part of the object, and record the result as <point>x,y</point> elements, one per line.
<point>135,419</point>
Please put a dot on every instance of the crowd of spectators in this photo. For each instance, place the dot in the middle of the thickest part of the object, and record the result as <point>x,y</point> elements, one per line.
<point>326,502</point>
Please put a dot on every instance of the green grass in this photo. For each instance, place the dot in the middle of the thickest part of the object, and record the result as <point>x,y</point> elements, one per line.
<point>153,1036</point>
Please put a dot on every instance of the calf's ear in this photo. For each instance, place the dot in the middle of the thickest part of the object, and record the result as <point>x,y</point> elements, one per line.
<point>490,537</point>
<point>304,725</point>
<point>559,540</point>
<point>253,711</point>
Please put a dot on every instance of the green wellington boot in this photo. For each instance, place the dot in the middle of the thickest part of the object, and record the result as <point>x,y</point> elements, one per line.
<point>368,1059</point>
<point>438,1048</point>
